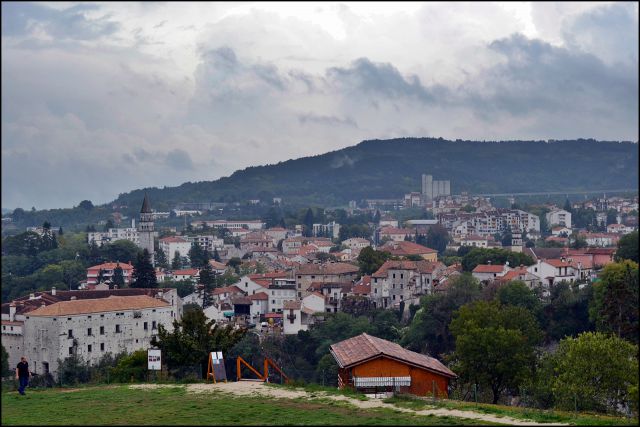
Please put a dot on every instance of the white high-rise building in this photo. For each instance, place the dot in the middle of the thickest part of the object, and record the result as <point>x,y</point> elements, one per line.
<point>432,189</point>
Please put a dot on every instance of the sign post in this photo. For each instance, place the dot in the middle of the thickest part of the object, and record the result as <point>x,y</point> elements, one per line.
<point>215,367</point>
<point>154,360</point>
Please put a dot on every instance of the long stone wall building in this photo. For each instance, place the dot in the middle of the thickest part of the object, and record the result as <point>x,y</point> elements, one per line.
<point>48,326</point>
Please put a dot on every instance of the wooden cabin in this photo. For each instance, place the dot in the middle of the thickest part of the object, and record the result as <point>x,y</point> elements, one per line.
<point>371,364</point>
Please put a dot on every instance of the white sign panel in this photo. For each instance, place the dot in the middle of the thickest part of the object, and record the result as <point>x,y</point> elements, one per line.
<point>154,360</point>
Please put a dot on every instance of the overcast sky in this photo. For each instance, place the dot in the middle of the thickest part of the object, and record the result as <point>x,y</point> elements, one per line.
<point>100,99</point>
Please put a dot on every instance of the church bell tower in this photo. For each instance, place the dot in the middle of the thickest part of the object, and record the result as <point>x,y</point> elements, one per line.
<point>145,228</point>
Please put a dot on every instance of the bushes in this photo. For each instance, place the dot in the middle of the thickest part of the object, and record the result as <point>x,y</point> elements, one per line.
<point>131,368</point>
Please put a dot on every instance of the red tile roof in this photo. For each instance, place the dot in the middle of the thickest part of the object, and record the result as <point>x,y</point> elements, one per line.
<point>111,266</point>
<point>228,289</point>
<point>364,347</point>
<point>488,268</point>
<point>186,272</point>
<point>406,248</point>
<point>98,305</point>
<point>329,268</point>
<point>292,305</point>
<point>260,296</point>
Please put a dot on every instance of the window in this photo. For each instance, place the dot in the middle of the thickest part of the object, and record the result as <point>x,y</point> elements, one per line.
<point>102,315</point>
<point>273,301</point>
<point>70,350</point>
<point>118,329</point>
<point>70,333</point>
<point>153,325</point>
<point>401,286</point>
<point>89,348</point>
<point>154,310</point>
<point>401,296</point>
<point>102,346</point>
<point>401,275</point>
<point>375,291</point>
<point>394,275</point>
<point>89,331</point>
<point>101,330</point>
<point>68,318</point>
<point>145,326</point>
<point>394,297</point>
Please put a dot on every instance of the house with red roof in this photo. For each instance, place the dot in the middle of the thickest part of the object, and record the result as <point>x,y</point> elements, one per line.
<point>489,272</point>
<point>108,268</point>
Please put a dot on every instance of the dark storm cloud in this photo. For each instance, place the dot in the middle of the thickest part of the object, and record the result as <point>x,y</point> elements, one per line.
<point>179,159</point>
<point>384,79</point>
<point>537,76</point>
<point>327,120</point>
<point>71,23</point>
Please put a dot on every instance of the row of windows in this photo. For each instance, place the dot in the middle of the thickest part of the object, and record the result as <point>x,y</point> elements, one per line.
<point>145,326</point>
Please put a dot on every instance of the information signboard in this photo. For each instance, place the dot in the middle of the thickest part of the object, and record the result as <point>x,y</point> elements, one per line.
<point>154,360</point>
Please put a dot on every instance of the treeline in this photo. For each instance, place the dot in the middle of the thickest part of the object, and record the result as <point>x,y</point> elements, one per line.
<point>391,168</point>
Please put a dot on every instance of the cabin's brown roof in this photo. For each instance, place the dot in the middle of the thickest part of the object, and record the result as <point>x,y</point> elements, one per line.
<point>99,305</point>
<point>365,347</point>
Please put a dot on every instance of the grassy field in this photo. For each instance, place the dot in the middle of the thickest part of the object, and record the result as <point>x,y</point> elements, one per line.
<point>120,405</point>
<point>541,416</point>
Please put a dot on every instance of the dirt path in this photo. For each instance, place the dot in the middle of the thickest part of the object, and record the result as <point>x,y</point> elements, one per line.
<point>248,388</point>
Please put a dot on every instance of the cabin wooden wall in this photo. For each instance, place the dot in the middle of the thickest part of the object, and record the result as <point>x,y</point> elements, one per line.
<point>422,381</point>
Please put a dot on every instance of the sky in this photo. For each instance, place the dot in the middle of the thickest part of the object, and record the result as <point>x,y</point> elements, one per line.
<point>100,99</point>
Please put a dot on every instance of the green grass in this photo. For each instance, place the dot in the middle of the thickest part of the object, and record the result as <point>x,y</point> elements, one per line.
<point>120,405</point>
<point>538,415</point>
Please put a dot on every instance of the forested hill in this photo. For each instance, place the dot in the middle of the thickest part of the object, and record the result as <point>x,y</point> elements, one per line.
<point>391,168</point>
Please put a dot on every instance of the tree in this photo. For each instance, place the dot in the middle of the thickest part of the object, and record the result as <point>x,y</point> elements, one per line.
<point>193,337</point>
<point>612,216</point>
<point>376,217</point>
<point>308,223</point>
<point>100,278</point>
<point>118,277</point>
<point>144,275</point>
<point>567,312</point>
<point>235,263</point>
<point>119,251</point>
<point>216,255</point>
<point>518,294</point>
<point>176,263</point>
<point>109,224</point>
<point>507,237</point>
<point>86,205</point>
<point>161,258</point>
<point>428,331</point>
<point>437,238</point>
<point>496,256</point>
<point>183,287</point>
<point>567,205</point>
<point>370,260</point>
<point>615,304</point>
<point>198,256</point>
<point>628,247</point>
<point>495,345</point>
<point>60,231</point>
<point>208,279</point>
<point>5,363</point>
<point>585,377</point>
<point>132,366</point>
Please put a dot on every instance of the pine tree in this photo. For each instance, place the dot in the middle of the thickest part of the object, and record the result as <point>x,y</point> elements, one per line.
<point>207,278</point>
<point>161,259</point>
<point>308,223</point>
<point>144,275</point>
<point>118,277</point>
<point>216,255</point>
<point>176,263</point>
